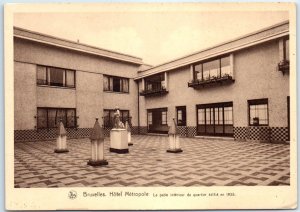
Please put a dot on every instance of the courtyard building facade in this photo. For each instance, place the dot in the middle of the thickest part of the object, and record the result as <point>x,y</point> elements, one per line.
<point>238,89</point>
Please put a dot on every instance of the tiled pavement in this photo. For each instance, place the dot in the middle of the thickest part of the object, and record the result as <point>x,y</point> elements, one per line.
<point>202,163</point>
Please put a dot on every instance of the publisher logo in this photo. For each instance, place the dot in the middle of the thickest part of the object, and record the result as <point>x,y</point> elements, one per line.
<point>72,194</point>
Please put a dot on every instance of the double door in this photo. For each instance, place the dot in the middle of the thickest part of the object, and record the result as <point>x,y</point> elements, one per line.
<point>215,119</point>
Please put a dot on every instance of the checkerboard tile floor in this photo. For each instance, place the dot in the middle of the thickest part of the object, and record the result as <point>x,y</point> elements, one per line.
<point>202,163</point>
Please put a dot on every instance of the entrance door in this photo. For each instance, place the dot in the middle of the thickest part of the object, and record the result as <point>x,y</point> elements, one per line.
<point>157,120</point>
<point>215,119</point>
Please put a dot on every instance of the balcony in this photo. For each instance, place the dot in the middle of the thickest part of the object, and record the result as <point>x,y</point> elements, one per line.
<point>284,66</point>
<point>154,92</point>
<point>225,79</point>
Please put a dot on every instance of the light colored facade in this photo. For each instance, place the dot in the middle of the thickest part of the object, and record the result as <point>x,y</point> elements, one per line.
<point>252,63</point>
<point>87,97</point>
<point>239,88</point>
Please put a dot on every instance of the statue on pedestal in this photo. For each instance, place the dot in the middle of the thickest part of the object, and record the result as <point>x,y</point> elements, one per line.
<point>117,122</point>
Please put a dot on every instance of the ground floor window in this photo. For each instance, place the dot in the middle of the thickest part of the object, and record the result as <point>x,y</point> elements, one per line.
<point>50,117</point>
<point>181,115</point>
<point>108,117</point>
<point>258,112</point>
<point>157,120</point>
<point>215,119</point>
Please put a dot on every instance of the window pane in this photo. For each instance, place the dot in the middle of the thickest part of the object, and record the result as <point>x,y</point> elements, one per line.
<point>228,115</point>
<point>211,68</point>
<point>70,78</point>
<point>207,115</point>
<point>106,120</point>
<point>164,117</point>
<point>71,119</point>
<point>179,115</point>
<point>116,84</point>
<point>105,83</point>
<point>111,83</point>
<point>52,118</point>
<point>57,76</point>
<point>201,118</point>
<point>124,115</point>
<point>258,114</point>
<point>198,71</point>
<point>41,75</point>
<point>111,115</point>
<point>149,118</point>
<point>225,66</point>
<point>125,85</point>
<point>41,118</point>
<point>287,50</point>
<point>61,115</point>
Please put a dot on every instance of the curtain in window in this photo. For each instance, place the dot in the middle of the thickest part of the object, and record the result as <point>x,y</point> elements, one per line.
<point>71,119</point>
<point>70,81</point>
<point>42,118</point>
<point>106,83</point>
<point>125,85</point>
<point>41,75</point>
<point>57,76</point>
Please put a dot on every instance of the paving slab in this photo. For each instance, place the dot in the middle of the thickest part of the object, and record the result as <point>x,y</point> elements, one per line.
<point>203,162</point>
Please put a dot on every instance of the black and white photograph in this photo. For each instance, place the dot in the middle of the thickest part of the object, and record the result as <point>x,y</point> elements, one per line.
<point>150,101</point>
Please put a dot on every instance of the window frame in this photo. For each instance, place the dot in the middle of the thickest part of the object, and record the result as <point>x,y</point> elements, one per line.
<point>184,119</point>
<point>263,101</point>
<point>56,108</point>
<point>201,64</point>
<point>112,78</point>
<point>48,77</point>
<point>287,39</point>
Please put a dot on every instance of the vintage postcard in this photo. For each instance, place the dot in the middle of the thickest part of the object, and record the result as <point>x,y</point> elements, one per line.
<point>144,106</point>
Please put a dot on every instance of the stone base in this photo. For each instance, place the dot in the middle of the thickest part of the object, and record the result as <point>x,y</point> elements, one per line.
<point>119,151</point>
<point>61,150</point>
<point>174,150</point>
<point>118,141</point>
<point>130,144</point>
<point>97,162</point>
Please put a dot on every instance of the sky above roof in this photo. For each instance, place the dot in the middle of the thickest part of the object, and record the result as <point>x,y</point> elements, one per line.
<point>155,36</point>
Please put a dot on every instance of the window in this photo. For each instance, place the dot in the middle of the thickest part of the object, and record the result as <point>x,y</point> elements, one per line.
<point>215,119</point>
<point>155,82</point>
<point>115,84</point>
<point>258,112</point>
<point>108,118</point>
<point>286,50</point>
<point>52,76</point>
<point>50,117</point>
<point>164,117</point>
<point>213,69</point>
<point>181,116</point>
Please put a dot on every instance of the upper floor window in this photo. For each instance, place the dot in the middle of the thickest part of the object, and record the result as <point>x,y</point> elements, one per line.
<point>52,76</point>
<point>214,69</point>
<point>286,50</point>
<point>258,112</point>
<point>115,84</point>
<point>50,117</point>
<point>155,82</point>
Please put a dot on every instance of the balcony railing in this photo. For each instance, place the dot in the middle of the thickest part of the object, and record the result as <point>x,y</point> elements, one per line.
<point>211,81</point>
<point>154,92</point>
<point>284,66</point>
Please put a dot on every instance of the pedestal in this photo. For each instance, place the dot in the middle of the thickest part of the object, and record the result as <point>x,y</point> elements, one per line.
<point>119,141</point>
<point>61,144</point>
<point>129,139</point>
<point>174,144</point>
<point>97,149</point>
